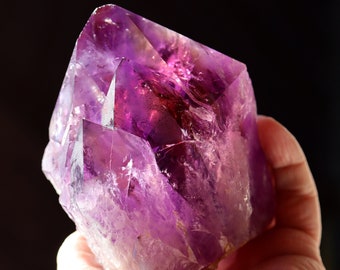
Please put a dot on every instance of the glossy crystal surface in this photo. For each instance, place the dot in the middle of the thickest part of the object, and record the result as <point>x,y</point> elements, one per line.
<point>153,147</point>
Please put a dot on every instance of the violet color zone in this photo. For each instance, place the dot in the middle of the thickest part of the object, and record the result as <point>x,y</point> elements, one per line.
<point>153,147</point>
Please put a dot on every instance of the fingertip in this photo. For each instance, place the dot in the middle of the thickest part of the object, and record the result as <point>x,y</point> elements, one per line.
<point>279,145</point>
<point>297,198</point>
<point>75,254</point>
<point>68,245</point>
<point>286,157</point>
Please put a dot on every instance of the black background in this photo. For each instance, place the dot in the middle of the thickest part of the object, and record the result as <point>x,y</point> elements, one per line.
<point>292,53</point>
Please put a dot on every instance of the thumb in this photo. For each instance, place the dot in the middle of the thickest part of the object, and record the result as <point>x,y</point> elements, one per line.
<point>75,254</point>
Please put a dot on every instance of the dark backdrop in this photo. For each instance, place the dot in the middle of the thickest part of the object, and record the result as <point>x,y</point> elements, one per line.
<point>291,50</point>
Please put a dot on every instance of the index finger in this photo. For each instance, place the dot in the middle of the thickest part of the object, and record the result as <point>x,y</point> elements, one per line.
<point>297,197</point>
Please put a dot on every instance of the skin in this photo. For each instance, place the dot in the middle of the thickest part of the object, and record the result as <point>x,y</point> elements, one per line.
<point>293,239</point>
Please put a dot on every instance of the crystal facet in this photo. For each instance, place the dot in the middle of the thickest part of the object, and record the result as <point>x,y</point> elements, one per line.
<point>153,147</point>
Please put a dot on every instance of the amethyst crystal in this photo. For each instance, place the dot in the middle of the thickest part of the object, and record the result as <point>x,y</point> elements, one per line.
<point>154,149</point>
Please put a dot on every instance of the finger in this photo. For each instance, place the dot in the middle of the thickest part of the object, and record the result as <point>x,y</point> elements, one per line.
<point>75,254</point>
<point>297,198</point>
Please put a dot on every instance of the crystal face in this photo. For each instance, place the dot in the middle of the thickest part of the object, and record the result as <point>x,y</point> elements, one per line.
<point>153,147</point>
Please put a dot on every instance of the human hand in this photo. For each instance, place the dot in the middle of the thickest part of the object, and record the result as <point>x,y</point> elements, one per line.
<point>74,254</point>
<point>294,238</point>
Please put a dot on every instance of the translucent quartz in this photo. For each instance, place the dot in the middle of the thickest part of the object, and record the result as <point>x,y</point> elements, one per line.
<point>153,147</point>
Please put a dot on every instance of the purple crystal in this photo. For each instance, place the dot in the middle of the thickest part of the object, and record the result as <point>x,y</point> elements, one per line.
<point>153,147</point>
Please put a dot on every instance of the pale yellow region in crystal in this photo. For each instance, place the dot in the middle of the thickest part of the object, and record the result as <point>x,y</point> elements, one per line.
<point>107,113</point>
